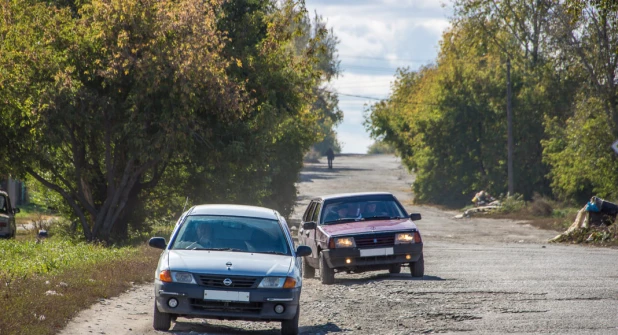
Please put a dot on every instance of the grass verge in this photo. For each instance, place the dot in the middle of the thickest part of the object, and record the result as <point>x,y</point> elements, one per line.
<point>42,286</point>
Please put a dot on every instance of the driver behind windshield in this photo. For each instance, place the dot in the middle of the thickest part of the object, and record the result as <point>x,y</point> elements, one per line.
<point>338,212</point>
<point>371,209</point>
<point>204,235</point>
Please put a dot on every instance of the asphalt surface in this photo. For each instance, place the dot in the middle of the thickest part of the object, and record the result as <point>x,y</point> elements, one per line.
<point>482,276</point>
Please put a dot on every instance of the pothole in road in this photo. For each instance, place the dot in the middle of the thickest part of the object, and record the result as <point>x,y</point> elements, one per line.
<point>518,311</point>
<point>451,316</point>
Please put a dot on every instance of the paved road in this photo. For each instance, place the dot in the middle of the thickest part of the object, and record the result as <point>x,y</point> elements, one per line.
<point>482,276</point>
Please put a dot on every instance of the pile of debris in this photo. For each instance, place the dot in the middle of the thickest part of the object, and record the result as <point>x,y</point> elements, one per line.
<point>594,218</point>
<point>483,202</point>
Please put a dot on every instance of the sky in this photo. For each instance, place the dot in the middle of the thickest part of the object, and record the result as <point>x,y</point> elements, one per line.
<point>375,38</point>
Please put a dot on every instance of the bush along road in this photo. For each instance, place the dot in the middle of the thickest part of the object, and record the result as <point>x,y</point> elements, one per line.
<point>482,276</point>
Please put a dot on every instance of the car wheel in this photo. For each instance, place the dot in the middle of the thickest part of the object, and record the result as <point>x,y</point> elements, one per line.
<point>308,270</point>
<point>290,327</point>
<point>417,269</point>
<point>327,275</point>
<point>161,321</point>
<point>395,268</point>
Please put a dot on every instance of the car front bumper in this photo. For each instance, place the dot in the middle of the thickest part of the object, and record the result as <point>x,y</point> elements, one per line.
<point>260,307</point>
<point>376,258</point>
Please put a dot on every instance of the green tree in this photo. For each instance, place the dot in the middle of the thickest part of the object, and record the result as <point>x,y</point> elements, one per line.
<point>256,159</point>
<point>579,147</point>
<point>120,90</point>
<point>448,121</point>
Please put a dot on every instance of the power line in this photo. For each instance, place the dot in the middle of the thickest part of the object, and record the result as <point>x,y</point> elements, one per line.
<point>389,60</point>
<point>378,99</point>
<point>357,96</point>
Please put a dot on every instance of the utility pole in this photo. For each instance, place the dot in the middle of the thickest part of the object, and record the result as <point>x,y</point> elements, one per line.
<point>509,122</point>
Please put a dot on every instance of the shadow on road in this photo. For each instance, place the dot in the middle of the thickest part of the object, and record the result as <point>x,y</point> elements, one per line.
<point>320,329</point>
<point>184,327</point>
<point>310,177</point>
<point>324,168</point>
<point>385,277</point>
<point>309,174</point>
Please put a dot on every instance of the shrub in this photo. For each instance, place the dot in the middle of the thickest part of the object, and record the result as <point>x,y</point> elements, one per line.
<point>512,204</point>
<point>380,147</point>
<point>312,156</point>
<point>541,206</point>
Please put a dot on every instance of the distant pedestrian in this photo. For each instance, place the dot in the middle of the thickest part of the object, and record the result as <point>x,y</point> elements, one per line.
<point>330,154</point>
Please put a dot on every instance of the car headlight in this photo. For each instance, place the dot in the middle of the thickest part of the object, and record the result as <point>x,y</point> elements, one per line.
<point>403,238</point>
<point>183,277</point>
<point>345,242</point>
<point>278,282</point>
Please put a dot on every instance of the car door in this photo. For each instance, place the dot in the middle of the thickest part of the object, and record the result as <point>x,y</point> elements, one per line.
<point>302,233</point>
<point>307,236</point>
<point>314,234</point>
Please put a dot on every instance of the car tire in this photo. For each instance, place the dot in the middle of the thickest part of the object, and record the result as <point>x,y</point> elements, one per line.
<point>327,275</point>
<point>417,269</point>
<point>395,268</point>
<point>290,327</point>
<point>161,321</point>
<point>308,270</point>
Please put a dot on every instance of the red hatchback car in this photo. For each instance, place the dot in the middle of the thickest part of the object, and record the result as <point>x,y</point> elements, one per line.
<point>359,232</point>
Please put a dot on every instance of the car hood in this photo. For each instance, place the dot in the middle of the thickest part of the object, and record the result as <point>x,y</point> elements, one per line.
<point>243,263</point>
<point>376,226</point>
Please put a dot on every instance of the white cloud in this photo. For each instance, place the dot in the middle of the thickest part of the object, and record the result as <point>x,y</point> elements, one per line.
<point>354,142</point>
<point>377,85</point>
<point>377,37</point>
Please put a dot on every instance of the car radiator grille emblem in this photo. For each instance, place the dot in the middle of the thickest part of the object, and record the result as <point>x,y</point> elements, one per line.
<point>375,240</point>
<point>227,282</point>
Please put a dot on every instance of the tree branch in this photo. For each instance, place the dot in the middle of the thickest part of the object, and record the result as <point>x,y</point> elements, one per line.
<point>68,198</point>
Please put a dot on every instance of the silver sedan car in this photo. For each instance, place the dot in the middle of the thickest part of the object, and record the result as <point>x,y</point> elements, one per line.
<point>229,262</point>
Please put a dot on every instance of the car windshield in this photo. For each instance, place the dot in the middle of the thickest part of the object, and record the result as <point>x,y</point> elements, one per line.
<point>361,210</point>
<point>231,233</point>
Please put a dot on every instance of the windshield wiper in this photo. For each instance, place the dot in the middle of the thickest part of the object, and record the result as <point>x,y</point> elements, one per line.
<point>342,220</point>
<point>270,252</point>
<point>222,249</point>
<point>377,217</point>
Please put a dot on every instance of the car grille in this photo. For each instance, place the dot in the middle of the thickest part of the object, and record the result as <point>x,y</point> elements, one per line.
<point>237,281</point>
<point>222,306</point>
<point>377,240</point>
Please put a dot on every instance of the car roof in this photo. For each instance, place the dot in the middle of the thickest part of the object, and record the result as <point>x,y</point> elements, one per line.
<point>352,195</point>
<point>234,210</point>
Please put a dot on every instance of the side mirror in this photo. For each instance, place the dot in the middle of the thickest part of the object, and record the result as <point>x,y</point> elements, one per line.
<point>157,242</point>
<point>415,216</point>
<point>309,225</point>
<point>303,251</point>
<point>16,210</point>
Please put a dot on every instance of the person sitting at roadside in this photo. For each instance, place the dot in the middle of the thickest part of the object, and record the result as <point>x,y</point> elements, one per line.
<point>482,198</point>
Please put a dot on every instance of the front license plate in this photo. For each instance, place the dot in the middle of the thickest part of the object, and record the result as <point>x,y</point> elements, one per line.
<point>226,295</point>
<point>376,252</point>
